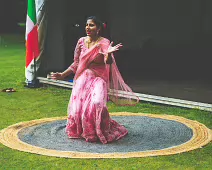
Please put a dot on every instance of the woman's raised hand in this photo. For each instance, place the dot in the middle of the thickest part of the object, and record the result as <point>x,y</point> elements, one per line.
<point>56,76</point>
<point>112,49</point>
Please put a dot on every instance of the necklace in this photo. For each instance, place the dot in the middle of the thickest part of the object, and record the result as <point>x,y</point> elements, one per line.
<point>92,43</point>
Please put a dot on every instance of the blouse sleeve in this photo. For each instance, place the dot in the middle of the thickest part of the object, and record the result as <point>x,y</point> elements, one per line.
<point>77,52</point>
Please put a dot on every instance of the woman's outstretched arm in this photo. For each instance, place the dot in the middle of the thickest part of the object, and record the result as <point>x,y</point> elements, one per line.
<point>61,76</point>
<point>73,66</point>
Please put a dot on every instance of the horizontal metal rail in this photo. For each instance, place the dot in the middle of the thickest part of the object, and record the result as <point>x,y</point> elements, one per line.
<point>144,97</point>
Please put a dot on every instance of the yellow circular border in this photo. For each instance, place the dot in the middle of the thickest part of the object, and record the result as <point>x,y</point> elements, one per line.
<point>201,136</point>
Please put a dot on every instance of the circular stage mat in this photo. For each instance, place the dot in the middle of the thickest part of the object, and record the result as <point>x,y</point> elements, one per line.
<point>149,135</point>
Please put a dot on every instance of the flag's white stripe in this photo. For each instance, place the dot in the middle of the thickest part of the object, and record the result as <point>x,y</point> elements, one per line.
<point>29,26</point>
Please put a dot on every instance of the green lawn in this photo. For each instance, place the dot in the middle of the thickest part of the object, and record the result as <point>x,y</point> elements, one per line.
<point>28,104</point>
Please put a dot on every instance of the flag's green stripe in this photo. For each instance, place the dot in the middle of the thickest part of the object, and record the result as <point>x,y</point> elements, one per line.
<point>31,10</point>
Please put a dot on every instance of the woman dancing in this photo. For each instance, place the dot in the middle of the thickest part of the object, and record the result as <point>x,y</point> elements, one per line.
<point>96,76</point>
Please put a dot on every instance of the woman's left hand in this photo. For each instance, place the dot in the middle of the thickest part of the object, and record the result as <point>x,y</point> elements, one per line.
<point>114,48</point>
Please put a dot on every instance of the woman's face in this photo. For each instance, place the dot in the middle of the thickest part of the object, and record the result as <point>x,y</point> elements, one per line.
<point>91,28</point>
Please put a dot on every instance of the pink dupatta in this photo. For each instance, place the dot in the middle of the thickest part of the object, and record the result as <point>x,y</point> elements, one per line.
<point>119,92</point>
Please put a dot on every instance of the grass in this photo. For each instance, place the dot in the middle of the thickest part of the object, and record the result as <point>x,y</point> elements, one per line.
<point>28,104</point>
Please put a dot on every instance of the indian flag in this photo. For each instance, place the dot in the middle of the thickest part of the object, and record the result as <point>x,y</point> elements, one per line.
<point>32,44</point>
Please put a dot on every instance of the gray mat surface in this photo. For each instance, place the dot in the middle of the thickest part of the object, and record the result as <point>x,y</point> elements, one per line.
<point>145,134</point>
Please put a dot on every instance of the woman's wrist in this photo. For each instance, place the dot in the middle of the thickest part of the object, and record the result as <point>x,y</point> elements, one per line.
<point>62,75</point>
<point>66,72</point>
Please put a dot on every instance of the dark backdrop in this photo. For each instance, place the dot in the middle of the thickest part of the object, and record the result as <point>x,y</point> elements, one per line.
<point>12,12</point>
<point>170,39</point>
<point>162,39</point>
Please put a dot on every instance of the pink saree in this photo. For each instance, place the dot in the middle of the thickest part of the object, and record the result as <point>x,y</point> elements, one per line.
<point>88,116</point>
